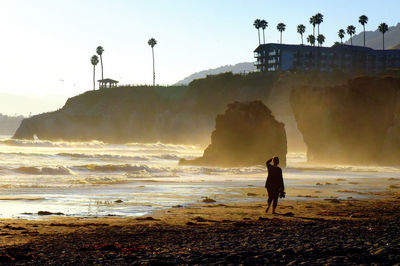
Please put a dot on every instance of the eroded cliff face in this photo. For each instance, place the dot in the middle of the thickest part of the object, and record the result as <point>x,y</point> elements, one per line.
<point>246,134</point>
<point>353,123</point>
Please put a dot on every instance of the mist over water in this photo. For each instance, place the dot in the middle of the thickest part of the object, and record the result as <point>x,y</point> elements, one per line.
<point>87,178</point>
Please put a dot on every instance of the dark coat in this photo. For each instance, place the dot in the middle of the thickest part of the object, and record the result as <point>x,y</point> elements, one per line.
<point>275,179</point>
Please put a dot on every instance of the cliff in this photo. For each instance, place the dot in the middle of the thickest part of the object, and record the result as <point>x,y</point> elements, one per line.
<point>353,123</point>
<point>246,134</point>
<point>172,114</point>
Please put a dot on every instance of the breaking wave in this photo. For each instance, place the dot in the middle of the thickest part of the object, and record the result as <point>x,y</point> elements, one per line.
<point>47,143</point>
<point>103,156</point>
<point>33,170</point>
<point>121,168</point>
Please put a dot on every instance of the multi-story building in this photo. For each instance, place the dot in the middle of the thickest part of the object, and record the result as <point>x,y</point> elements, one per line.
<point>284,57</point>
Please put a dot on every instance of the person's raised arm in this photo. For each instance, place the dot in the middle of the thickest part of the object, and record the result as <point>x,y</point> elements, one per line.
<point>268,163</point>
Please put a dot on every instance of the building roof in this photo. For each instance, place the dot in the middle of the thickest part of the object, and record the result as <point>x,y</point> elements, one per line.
<point>108,81</point>
<point>309,47</point>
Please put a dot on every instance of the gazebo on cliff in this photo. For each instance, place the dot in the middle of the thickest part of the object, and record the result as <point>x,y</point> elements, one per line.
<point>107,83</point>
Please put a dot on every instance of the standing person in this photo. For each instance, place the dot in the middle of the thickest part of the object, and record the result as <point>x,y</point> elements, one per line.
<point>274,183</point>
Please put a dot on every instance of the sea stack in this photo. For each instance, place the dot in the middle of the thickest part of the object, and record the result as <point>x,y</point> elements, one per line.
<point>354,123</point>
<point>246,134</point>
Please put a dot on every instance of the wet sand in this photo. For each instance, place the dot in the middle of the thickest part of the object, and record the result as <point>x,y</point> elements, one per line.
<point>308,230</point>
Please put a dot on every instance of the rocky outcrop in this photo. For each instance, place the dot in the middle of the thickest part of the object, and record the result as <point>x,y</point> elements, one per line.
<point>247,134</point>
<point>354,123</point>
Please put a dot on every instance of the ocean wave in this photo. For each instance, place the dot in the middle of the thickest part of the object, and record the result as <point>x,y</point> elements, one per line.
<point>159,145</point>
<point>167,157</point>
<point>345,168</point>
<point>33,170</point>
<point>103,156</point>
<point>120,168</point>
<point>47,143</point>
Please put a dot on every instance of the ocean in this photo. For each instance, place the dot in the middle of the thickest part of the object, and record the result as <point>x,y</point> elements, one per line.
<point>96,179</point>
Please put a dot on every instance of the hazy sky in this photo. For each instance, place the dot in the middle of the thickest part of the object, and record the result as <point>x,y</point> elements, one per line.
<point>46,45</point>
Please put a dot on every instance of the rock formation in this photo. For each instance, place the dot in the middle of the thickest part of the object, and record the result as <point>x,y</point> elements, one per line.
<point>247,134</point>
<point>354,123</point>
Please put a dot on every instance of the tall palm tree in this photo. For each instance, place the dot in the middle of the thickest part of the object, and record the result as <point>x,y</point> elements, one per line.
<point>319,18</point>
<point>313,23</point>
<point>264,25</point>
<point>281,28</point>
<point>363,19</point>
<point>301,29</point>
<point>341,34</point>
<point>311,39</point>
<point>152,42</point>
<point>99,51</point>
<point>257,25</point>
<point>383,27</point>
<point>320,39</point>
<point>94,60</point>
<point>350,31</point>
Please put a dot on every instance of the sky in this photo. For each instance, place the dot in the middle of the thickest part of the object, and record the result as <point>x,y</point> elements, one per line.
<point>46,45</point>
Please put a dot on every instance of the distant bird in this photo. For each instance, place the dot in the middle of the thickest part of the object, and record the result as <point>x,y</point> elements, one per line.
<point>313,22</point>
<point>152,42</point>
<point>301,29</point>
<point>341,34</point>
<point>311,39</point>
<point>383,28</point>
<point>320,39</point>
<point>264,25</point>
<point>363,19</point>
<point>281,28</point>
<point>319,18</point>
<point>94,60</point>
<point>257,25</point>
<point>99,51</point>
<point>350,31</point>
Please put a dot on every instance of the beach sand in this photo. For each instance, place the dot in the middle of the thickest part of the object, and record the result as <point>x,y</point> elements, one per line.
<point>307,230</point>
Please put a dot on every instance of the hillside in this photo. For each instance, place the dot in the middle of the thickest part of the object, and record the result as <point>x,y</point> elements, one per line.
<point>373,39</point>
<point>396,47</point>
<point>236,69</point>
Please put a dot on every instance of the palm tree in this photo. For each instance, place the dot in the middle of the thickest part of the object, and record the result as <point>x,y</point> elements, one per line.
<point>257,25</point>
<point>99,51</point>
<point>313,23</point>
<point>311,39</point>
<point>95,61</point>
<point>152,42</point>
<point>350,31</point>
<point>320,39</point>
<point>319,18</point>
<point>281,28</point>
<point>301,29</point>
<point>264,25</point>
<point>383,27</point>
<point>341,34</point>
<point>363,20</point>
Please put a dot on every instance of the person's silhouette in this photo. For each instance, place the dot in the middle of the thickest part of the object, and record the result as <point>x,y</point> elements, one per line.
<point>274,183</point>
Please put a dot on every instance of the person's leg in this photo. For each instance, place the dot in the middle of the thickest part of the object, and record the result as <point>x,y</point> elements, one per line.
<point>269,200</point>
<point>275,203</point>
